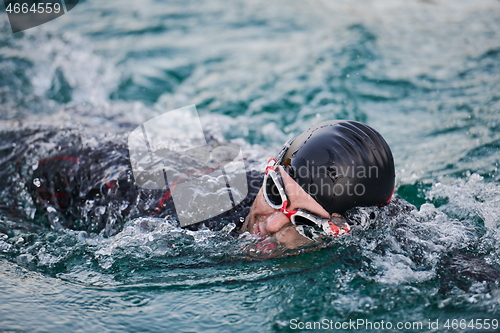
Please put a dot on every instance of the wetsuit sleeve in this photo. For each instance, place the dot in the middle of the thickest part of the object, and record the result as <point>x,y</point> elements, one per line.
<point>93,190</point>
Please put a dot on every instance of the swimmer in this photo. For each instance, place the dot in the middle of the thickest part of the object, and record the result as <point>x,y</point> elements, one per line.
<point>306,188</point>
<point>303,199</point>
<point>327,170</point>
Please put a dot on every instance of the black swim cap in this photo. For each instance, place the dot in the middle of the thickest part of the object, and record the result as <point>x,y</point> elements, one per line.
<point>342,164</point>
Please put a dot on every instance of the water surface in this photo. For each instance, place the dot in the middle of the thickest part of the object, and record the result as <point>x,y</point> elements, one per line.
<point>425,74</point>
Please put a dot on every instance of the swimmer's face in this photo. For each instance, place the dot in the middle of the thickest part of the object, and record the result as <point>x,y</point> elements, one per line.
<point>265,221</point>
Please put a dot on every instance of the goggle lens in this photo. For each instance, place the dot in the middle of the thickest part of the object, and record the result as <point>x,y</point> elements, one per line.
<point>302,220</point>
<point>272,192</point>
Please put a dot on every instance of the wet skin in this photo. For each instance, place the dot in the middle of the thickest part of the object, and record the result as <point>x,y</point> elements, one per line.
<point>267,222</point>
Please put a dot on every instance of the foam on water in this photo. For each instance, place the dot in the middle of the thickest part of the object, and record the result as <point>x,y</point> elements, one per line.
<point>475,200</point>
<point>400,243</point>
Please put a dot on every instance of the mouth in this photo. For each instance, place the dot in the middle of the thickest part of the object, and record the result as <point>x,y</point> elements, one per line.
<point>257,230</point>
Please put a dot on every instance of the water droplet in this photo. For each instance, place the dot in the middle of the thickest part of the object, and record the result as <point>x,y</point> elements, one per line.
<point>37,182</point>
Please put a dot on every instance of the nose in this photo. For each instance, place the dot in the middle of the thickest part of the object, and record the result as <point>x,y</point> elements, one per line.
<point>276,221</point>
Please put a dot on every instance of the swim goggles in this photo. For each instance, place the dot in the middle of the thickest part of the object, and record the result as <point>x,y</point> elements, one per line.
<point>307,224</point>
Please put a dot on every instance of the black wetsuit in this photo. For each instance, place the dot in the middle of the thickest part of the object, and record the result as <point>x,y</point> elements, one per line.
<point>89,186</point>
<point>95,190</point>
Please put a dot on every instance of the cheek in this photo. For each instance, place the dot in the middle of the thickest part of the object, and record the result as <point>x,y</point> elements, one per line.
<point>259,212</point>
<point>260,205</point>
<point>254,214</point>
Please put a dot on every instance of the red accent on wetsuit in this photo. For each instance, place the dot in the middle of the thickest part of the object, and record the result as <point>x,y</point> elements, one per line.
<point>390,197</point>
<point>168,194</point>
<point>61,157</point>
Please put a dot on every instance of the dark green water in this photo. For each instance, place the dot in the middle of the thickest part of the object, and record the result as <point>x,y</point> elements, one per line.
<point>426,74</point>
